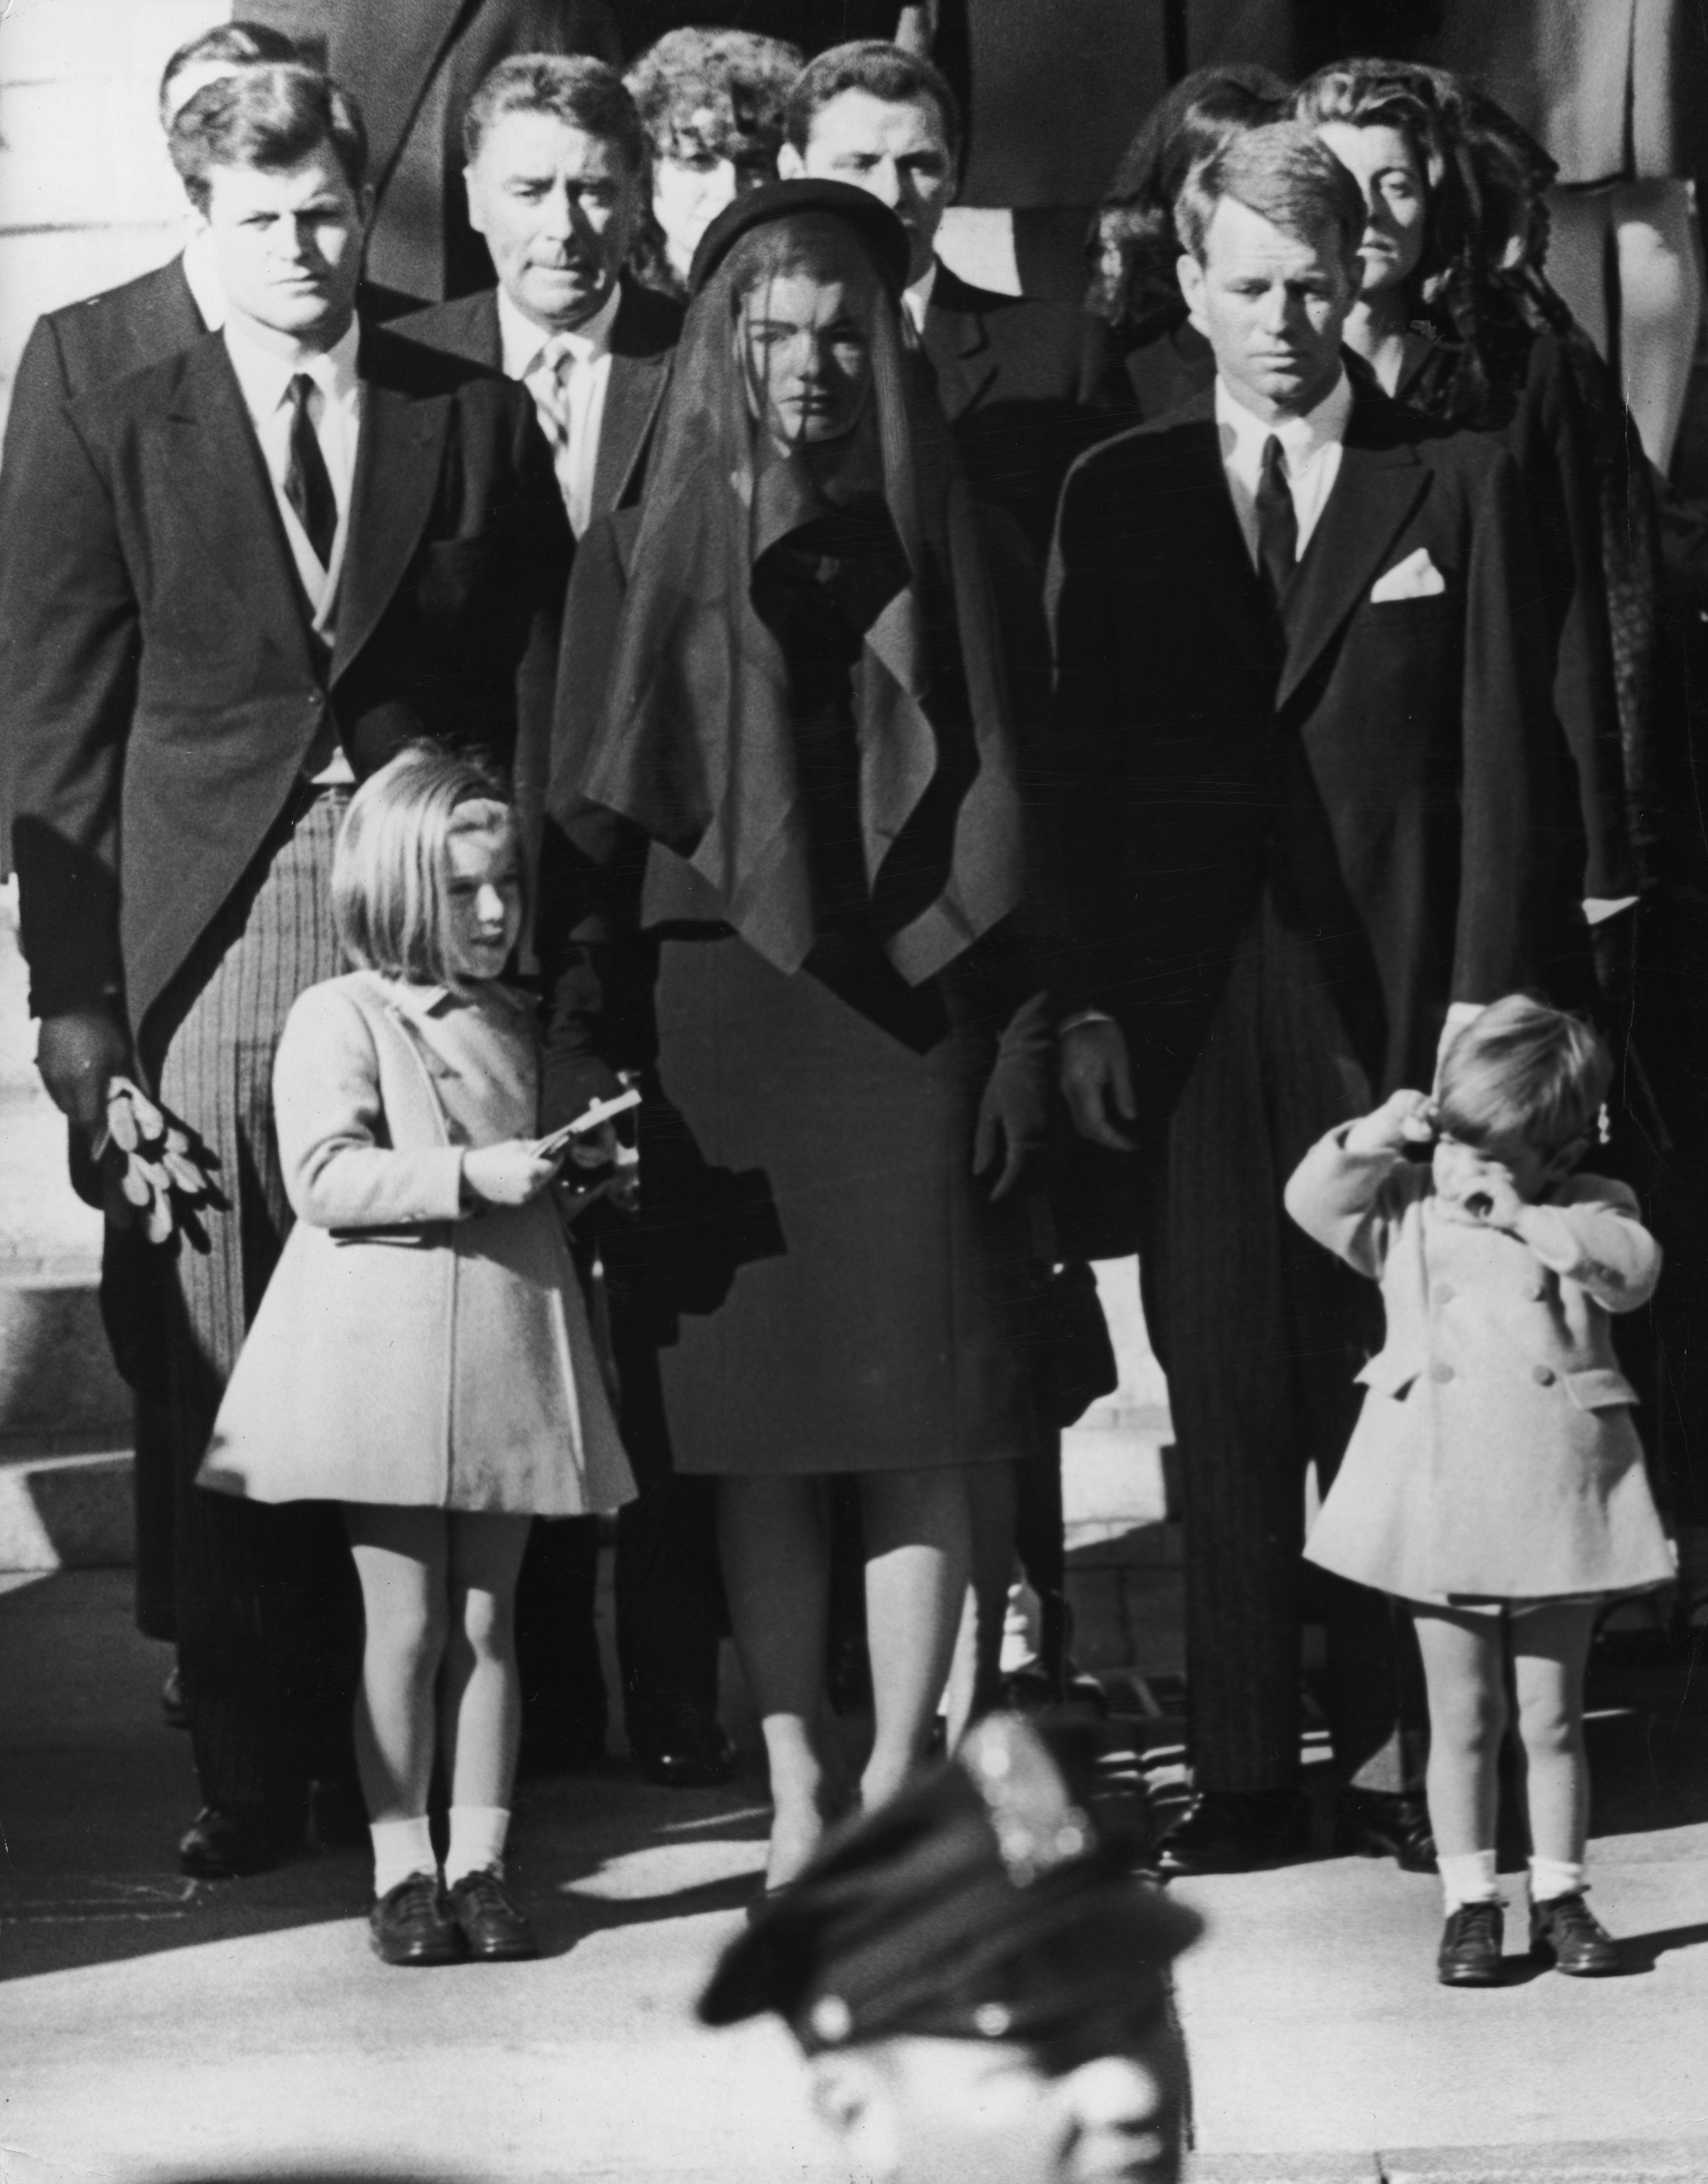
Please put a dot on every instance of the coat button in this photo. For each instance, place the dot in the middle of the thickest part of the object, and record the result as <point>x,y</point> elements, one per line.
<point>1544,1376</point>
<point>1445,1293</point>
<point>1536,1292</point>
<point>1441,1373</point>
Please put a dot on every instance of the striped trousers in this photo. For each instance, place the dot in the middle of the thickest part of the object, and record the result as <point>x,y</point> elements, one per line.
<point>266,1610</point>
<point>1262,1333</point>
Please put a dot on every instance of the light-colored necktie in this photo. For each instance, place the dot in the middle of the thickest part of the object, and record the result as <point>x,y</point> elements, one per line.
<point>561,383</point>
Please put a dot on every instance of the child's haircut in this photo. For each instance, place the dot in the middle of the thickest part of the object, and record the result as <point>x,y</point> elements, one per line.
<point>1521,1066</point>
<point>392,867</point>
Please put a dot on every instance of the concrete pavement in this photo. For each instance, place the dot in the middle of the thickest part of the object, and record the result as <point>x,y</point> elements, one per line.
<point>152,2027</point>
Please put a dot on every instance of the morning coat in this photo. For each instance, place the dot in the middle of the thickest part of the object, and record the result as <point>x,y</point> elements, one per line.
<point>1495,1458</point>
<point>407,1351</point>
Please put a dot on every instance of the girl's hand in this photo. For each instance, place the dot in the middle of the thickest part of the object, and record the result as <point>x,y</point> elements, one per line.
<point>1404,1118</point>
<point>509,1174</point>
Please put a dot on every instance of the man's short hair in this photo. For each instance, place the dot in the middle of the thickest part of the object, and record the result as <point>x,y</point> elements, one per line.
<point>266,118</point>
<point>245,45</point>
<point>882,71</point>
<point>581,92</point>
<point>715,91</point>
<point>1281,170</point>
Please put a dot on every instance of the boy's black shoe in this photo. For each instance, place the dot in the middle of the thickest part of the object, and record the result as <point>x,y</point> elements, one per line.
<point>495,1930</point>
<point>1236,1831</point>
<point>1565,1933</point>
<point>1385,1823</point>
<point>1470,1952</point>
<point>411,1924</point>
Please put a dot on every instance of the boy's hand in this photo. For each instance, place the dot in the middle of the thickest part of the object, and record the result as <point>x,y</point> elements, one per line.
<point>1404,1118</point>
<point>1489,1202</point>
<point>509,1174</point>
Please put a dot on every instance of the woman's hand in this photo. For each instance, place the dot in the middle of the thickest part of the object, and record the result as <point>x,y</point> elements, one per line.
<point>509,1174</point>
<point>1013,1114</point>
<point>1097,1083</point>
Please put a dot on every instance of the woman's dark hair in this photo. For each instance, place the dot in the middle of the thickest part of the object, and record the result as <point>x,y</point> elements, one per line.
<point>1479,281</point>
<point>1133,243</point>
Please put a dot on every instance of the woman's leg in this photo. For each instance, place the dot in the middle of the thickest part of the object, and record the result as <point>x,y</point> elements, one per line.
<point>975,1681</point>
<point>400,1556</point>
<point>1550,1648</point>
<point>776,1550</point>
<point>918,1531</point>
<point>1659,292</point>
<point>480,1700</point>
<point>1464,1660</point>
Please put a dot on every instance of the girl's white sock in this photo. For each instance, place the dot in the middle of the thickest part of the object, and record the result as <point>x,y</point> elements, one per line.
<point>401,1847</point>
<point>1553,1877</point>
<point>477,1839</point>
<point>1469,1879</point>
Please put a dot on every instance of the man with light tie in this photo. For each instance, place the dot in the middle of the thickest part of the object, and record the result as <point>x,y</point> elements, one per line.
<point>1313,810</point>
<point>558,177</point>
<point>258,568</point>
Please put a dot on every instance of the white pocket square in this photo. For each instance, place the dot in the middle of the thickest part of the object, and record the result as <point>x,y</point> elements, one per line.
<point>1416,577</point>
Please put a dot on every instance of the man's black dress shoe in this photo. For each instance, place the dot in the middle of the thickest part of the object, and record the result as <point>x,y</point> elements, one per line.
<point>1385,1823</point>
<point>1234,1831</point>
<point>1567,1934</point>
<point>1469,1954</point>
<point>411,1924</point>
<point>495,1930</point>
<point>223,1840</point>
<point>696,1755</point>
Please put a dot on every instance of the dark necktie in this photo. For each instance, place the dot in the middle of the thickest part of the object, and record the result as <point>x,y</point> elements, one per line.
<point>307,484</point>
<point>1278,522</point>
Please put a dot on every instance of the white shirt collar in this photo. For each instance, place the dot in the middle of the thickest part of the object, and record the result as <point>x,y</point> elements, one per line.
<point>523,342</point>
<point>265,376</point>
<point>202,282</point>
<point>1302,438</point>
<point>917,299</point>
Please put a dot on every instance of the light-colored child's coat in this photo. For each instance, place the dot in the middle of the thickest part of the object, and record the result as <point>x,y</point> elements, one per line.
<point>404,1352</point>
<point>1495,1458</point>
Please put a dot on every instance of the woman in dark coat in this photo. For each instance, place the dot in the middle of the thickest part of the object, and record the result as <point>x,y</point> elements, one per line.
<point>1455,317</point>
<point>790,796</point>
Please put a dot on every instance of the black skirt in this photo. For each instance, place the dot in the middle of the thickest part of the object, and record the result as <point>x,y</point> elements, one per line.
<point>880,1324</point>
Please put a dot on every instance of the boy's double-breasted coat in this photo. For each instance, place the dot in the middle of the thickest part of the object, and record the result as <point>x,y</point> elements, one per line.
<point>405,1351</point>
<point>1495,1458</point>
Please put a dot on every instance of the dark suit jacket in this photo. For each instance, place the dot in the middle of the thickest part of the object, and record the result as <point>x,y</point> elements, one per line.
<point>644,338</point>
<point>1392,770</point>
<point>157,669</point>
<point>1026,387</point>
<point>414,65</point>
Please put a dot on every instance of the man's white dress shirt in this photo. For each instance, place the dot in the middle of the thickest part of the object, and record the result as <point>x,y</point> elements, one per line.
<point>335,410</point>
<point>916,300</point>
<point>567,374</point>
<point>1310,450</point>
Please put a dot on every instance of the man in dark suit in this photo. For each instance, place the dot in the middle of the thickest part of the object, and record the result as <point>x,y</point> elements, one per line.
<point>1311,814</point>
<point>255,569</point>
<point>1026,385</point>
<point>557,178</point>
<point>412,66</point>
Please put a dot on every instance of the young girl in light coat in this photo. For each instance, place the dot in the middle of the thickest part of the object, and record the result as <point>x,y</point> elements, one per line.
<point>422,1353</point>
<point>1495,1481</point>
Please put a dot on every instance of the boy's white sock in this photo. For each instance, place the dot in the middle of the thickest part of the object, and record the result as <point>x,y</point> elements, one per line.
<point>1469,1879</point>
<point>477,1839</point>
<point>401,1847</point>
<point>1551,1878</point>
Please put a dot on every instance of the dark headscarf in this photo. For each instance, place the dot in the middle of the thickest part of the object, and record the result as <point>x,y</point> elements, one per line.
<point>697,743</point>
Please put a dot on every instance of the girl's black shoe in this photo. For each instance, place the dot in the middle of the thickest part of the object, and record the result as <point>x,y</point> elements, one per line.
<point>1470,1946</point>
<point>1565,1933</point>
<point>495,1931</point>
<point>409,1924</point>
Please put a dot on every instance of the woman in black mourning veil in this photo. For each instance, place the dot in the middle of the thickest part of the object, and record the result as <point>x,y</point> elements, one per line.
<point>784,777</point>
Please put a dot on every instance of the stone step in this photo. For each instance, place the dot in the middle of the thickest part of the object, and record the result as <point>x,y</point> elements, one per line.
<point>68,1513</point>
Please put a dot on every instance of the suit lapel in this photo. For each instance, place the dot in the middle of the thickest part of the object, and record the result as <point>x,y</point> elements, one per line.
<point>632,395</point>
<point>1381,482</point>
<point>398,465</point>
<point>222,478</point>
<point>958,343</point>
